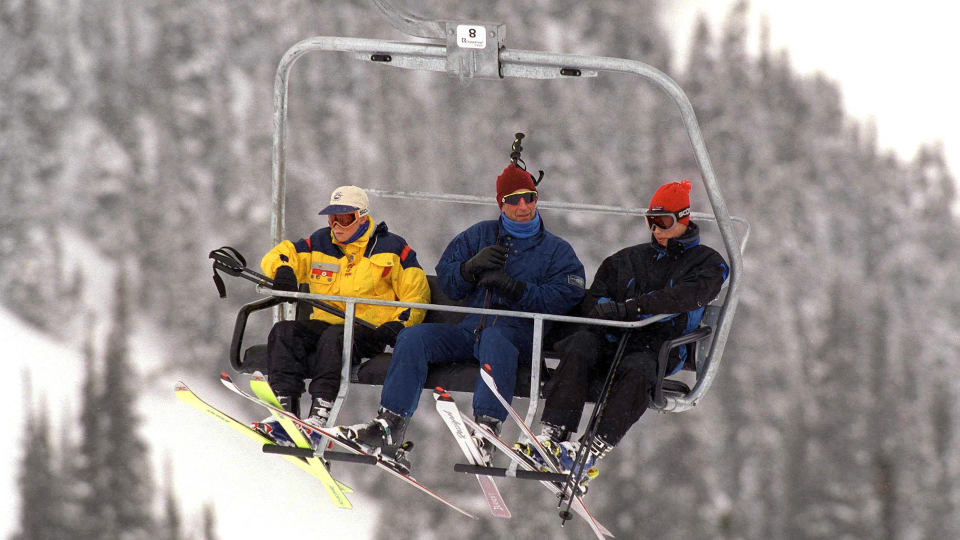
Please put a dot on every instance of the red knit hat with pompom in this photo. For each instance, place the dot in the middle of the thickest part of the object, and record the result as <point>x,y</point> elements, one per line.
<point>511,180</point>
<point>673,197</point>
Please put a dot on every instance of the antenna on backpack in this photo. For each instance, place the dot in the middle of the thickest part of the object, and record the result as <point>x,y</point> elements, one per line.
<point>515,150</point>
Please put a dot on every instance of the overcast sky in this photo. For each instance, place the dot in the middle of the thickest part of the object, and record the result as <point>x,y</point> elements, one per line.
<point>895,61</point>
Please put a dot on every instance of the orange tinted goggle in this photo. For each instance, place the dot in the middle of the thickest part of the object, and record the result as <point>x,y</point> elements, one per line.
<point>344,220</point>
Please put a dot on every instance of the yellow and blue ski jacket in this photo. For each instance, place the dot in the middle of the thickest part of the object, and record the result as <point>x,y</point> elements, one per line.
<point>378,265</point>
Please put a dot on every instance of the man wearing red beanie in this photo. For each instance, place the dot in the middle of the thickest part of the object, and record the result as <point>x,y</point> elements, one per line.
<point>510,263</point>
<point>672,274</point>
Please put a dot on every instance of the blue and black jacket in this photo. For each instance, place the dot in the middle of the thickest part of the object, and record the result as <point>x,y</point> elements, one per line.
<point>681,278</point>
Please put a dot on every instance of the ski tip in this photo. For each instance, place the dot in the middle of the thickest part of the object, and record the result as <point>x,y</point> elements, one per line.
<point>223,375</point>
<point>487,368</point>
<point>179,387</point>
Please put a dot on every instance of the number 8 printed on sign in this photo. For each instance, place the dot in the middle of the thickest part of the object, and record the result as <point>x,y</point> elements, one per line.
<point>471,37</point>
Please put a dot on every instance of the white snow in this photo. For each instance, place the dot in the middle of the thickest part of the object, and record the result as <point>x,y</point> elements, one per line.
<point>904,83</point>
<point>55,373</point>
<point>254,494</point>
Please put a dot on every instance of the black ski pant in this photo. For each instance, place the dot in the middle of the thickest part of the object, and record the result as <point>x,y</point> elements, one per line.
<point>299,350</point>
<point>585,357</point>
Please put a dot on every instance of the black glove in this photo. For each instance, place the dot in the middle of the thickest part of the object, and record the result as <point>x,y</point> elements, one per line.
<point>616,311</point>
<point>507,286</point>
<point>489,258</point>
<point>286,280</point>
<point>364,334</point>
<point>387,332</point>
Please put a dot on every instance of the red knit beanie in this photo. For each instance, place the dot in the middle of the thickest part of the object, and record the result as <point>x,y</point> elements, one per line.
<point>673,197</point>
<point>511,180</point>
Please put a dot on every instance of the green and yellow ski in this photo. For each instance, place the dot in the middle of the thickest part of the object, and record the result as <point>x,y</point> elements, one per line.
<point>263,391</point>
<point>317,470</point>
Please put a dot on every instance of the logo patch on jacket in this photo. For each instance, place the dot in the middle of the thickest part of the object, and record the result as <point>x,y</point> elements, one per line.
<point>320,270</point>
<point>576,281</point>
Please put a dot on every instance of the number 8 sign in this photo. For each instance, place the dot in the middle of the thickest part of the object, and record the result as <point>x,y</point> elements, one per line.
<point>471,37</point>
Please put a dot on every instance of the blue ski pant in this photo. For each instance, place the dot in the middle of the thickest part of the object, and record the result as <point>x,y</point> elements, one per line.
<point>502,347</point>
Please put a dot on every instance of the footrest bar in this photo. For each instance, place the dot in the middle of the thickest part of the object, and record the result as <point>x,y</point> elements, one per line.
<point>349,458</point>
<point>288,450</point>
<point>308,452</point>
<point>521,474</point>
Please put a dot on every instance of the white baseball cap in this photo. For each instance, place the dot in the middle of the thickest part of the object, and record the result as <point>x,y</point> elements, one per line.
<point>346,199</point>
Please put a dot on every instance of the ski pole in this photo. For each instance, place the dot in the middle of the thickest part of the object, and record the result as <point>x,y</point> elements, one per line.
<point>230,261</point>
<point>593,427</point>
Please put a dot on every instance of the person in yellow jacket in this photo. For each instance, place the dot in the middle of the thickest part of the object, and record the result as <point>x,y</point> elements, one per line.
<point>351,257</point>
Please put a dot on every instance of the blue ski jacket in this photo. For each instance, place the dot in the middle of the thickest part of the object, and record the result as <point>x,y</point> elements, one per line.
<point>545,262</point>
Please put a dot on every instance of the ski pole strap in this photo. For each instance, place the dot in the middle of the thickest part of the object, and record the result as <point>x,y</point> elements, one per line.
<point>230,261</point>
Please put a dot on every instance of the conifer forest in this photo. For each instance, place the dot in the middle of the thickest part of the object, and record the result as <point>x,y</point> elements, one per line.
<point>146,129</point>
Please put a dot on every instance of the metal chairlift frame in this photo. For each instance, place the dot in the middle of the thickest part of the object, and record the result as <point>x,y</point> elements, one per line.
<point>494,61</point>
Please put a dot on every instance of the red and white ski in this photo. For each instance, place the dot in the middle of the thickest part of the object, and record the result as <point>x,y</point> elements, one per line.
<point>451,417</point>
<point>578,505</point>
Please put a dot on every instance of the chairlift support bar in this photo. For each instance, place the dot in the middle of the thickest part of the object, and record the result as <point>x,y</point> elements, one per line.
<point>520,64</point>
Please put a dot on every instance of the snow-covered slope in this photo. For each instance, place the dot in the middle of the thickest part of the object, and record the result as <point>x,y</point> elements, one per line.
<point>55,373</point>
<point>210,462</point>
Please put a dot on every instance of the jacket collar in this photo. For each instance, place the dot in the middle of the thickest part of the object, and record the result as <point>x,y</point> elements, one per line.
<point>676,247</point>
<point>361,243</point>
<point>522,243</point>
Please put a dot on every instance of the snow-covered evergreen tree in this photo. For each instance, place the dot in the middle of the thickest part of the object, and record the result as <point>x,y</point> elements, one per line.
<point>42,502</point>
<point>128,496</point>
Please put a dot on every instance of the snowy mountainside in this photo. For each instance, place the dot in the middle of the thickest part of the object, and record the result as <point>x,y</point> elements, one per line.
<point>209,462</point>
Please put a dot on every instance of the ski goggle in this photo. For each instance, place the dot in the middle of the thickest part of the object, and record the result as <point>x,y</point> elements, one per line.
<point>665,220</point>
<point>514,199</point>
<point>344,220</point>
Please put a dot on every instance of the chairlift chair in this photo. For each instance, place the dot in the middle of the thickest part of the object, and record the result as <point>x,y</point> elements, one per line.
<point>468,49</point>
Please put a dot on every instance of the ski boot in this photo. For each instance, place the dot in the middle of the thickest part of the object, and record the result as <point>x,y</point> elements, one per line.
<point>274,431</point>
<point>270,427</point>
<point>383,437</point>
<point>319,412</point>
<point>588,471</point>
<point>487,449</point>
<point>551,437</point>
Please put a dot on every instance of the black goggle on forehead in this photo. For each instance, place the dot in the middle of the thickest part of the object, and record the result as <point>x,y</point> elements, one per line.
<point>664,219</point>
<point>515,198</point>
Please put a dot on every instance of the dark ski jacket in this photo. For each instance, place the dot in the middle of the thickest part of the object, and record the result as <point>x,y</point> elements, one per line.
<point>545,262</point>
<point>680,279</point>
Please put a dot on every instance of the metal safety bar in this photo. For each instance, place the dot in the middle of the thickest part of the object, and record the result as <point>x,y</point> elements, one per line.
<point>350,304</point>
